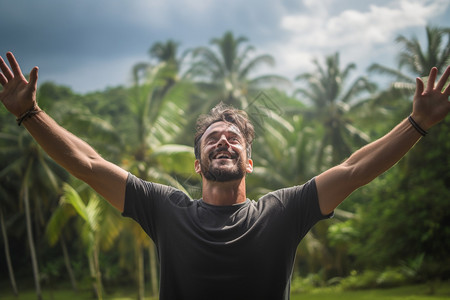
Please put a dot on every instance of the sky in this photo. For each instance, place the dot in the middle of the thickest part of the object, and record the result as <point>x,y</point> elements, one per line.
<point>90,45</point>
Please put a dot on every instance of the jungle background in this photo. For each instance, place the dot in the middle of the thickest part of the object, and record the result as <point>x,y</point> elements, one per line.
<point>393,232</point>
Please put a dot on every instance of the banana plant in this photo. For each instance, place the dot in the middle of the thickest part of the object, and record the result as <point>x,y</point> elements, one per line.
<point>98,226</point>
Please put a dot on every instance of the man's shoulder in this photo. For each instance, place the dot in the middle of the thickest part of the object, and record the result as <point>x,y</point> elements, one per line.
<point>292,191</point>
<point>138,187</point>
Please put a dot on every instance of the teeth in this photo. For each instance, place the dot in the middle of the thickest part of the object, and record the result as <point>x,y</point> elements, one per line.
<point>219,156</point>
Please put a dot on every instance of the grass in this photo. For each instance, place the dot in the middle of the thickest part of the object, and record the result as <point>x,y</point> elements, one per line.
<point>68,294</point>
<point>416,292</point>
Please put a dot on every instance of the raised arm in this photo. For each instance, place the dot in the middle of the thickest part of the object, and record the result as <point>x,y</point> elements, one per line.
<point>430,106</point>
<point>72,153</point>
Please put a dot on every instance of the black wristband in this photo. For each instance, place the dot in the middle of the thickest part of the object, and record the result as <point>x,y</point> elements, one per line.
<point>28,114</point>
<point>417,126</point>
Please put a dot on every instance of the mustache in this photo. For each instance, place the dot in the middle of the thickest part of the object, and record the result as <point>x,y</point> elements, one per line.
<point>222,149</point>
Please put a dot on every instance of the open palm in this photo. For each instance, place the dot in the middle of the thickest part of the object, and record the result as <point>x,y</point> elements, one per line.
<point>431,104</point>
<point>18,95</point>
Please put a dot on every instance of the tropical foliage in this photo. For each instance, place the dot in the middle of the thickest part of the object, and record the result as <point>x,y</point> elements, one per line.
<point>55,229</point>
<point>332,103</point>
<point>226,67</point>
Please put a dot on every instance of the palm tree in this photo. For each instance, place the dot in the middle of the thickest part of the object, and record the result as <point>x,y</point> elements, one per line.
<point>37,172</point>
<point>416,60</point>
<point>8,205</point>
<point>165,52</point>
<point>162,54</point>
<point>168,53</point>
<point>282,153</point>
<point>332,105</point>
<point>99,228</point>
<point>157,106</point>
<point>158,121</point>
<point>3,197</point>
<point>56,229</point>
<point>226,67</point>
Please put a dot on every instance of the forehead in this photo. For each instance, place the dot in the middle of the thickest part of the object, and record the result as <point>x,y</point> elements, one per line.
<point>221,127</point>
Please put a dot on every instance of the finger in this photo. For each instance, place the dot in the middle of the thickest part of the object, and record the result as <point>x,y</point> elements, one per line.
<point>447,91</point>
<point>14,65</point>
<point>443,79</point>
<point>6,71</point>
<point>419,86</point>
<point>3,79</point>
<point>431,80</point>
<point>34,77</point>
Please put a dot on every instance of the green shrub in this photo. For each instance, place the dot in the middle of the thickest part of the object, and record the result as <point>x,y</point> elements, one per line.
<point>374,279</point>
<point>365,280</point>
<point>391,278</point>
<point>306,284</point>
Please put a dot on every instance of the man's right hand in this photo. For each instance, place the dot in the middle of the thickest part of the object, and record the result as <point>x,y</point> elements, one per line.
<point>18,95</point>
<point>69,151</point>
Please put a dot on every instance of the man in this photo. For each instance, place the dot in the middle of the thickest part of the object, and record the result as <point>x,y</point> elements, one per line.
<point>223,246</point>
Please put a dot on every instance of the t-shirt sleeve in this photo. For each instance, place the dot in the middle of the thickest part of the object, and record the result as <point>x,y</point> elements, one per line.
<point>143,200</point>
<point>302,204</point>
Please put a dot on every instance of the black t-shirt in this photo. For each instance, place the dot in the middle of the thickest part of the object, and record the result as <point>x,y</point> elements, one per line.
<point>243,251</point>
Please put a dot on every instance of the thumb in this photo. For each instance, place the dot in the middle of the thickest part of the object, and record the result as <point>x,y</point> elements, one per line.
<point>419,87</point>
<point>34,77</point>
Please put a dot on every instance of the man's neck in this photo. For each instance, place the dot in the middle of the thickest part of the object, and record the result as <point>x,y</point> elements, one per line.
<point>224,193</point>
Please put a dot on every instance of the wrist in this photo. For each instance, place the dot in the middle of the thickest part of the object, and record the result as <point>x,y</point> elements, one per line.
<point>417,126</point>
<point>34,110</point>
<point>420,121</point>
<point>23,110</point>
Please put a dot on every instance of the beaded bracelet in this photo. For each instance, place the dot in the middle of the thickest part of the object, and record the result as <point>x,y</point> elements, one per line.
<point>417,126</point>
<point>28,114</point>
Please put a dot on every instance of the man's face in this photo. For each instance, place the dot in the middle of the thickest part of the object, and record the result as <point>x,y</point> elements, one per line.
<point>223,154</point>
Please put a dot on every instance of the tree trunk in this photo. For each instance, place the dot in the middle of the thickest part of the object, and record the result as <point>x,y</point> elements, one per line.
<point>92,273</point>
<point>98,274</point>
<point>153,269</point>
<point>67,263</point>
<point>30,241</point>
<point>140,270</point>
<point>8,256</point>
<point>95,272</point>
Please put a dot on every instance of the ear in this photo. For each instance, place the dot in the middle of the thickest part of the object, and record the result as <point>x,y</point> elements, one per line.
<point>197,167</point>
<point>249,168</point>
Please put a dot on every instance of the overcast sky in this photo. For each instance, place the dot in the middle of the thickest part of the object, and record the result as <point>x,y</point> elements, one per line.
<point>92,44</point>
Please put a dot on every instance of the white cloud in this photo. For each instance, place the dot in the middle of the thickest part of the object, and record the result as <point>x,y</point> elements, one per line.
<point>72,40</point>
<point>356,34</point>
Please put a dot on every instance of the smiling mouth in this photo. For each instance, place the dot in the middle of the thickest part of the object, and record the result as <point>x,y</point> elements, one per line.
<point>222,155</point>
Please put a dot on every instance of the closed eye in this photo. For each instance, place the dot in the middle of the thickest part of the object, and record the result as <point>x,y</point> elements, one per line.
<point>235,139</point>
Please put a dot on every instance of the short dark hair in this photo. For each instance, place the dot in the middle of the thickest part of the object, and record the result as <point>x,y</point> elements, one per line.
<point>229,114</point>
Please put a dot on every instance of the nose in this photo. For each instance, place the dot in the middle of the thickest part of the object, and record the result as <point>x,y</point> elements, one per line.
<point>222,141</point>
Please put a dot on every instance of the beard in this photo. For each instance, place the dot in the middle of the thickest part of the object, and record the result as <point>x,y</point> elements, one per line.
<point>223,171</point>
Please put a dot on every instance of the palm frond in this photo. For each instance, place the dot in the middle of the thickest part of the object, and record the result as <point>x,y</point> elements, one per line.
<point>57,222</point>
<point>72,197</point>
<point>254,63</point>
